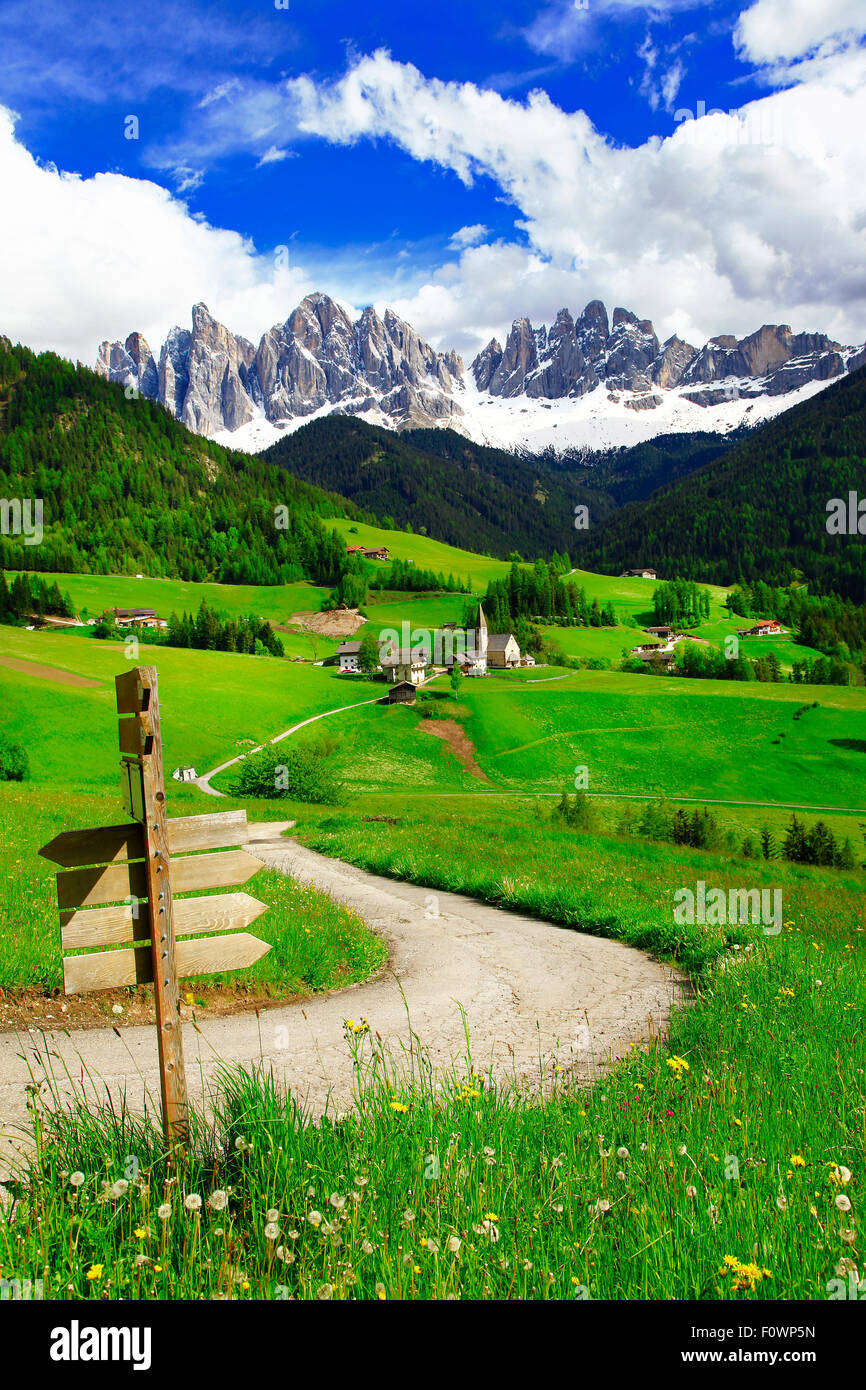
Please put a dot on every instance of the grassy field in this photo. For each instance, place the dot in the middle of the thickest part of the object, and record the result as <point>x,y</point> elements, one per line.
<point>691,738</point>
<point>70,728</point>
<point>96,592</point>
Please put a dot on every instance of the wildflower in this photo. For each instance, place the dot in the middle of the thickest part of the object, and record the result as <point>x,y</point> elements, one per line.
<point>408,1216</point>
<point>847,1266</point>
<point>782,1202</point>
<point>432,1247</point>
<point>240,1143</point>
<point>218,1200</point>
<point>691,1191</point>
<point>682,1150</point>
<point>843,1202</point>
<point>490,1216</point>
<point>622,1153</point>
<point>491,1153</point>
<point>361,1182</point>
<point>119,1188</point>
<point>602,1205</point>
<point>95,1272</point>
<point>620,1176</point>
<point>189,997</point>
<point>324,1291</point>
<point>141,1260</point>
<point>192,1201</point>
<point>285,1255</point>
<point>164,1212</point>
<point>141,1232</point>
<point>314,1218</point>
<point>272,1214</point>
<point>848,1235</point>
<point>797,1161</point>
<point>117,1008</point>
<point>398,1108</point>
<point>337,1202</point>
<point>454,1244</point>
<point>76,1179</point>
<point>367,1247</point>
<point>840,1175</point>
<point>272,1230</point>
<point>677,1065</point>
<point>380,1292</point>
<point>527,1266</point>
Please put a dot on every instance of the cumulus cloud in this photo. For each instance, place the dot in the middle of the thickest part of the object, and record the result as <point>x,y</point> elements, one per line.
<point>734,220</point>
<point>468,236</point>
<point>87,259</point>
<point>786,29</point>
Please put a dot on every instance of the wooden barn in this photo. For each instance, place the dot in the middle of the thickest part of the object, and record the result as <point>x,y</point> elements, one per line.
<point>403,693</point>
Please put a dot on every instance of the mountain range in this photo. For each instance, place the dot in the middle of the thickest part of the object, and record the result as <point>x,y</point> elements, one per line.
<point>592,380</point>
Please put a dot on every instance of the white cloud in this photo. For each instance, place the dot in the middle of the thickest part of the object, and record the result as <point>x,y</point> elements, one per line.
<point>729,223</point>
<point>773,30</point>
<point>87,259</point>
<point>468,236</point>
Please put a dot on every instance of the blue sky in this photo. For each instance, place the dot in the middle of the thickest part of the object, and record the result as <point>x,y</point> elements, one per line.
<point>74,82</point>
<point>248,119</point>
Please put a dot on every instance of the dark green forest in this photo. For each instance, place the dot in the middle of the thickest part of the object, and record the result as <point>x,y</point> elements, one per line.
<point>760,511</point>
<point>479,498</point>
<point>127,489</point>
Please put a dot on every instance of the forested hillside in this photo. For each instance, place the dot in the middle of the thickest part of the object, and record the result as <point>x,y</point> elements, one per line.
<point>760,511</point>
<point>125,488</point>
<point>476,497</point>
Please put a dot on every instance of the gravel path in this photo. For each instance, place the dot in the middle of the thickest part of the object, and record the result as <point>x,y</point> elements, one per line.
<point>534,996</point>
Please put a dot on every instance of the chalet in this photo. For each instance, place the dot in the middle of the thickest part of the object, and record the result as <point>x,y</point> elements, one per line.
<point>503,653</point>
<point>405,664</point>
<point>184,774</point>
<point>381,552</point>
<point>403,693</point>
<point>134,617</point>
<point>664,633</point>
<point>639,574</point>
<point>764,627</point>
<point>658,658</point>
<point>354,549</point>
<point>348,653</point>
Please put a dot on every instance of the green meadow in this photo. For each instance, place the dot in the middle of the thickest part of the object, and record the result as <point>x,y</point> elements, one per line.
<point>275,602</point>
<point>722,1162</point>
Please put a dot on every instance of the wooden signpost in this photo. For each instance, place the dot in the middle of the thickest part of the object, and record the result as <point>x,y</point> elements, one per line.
<point>139,867</point>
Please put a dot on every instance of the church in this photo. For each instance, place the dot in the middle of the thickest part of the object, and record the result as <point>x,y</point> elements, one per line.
<point>489,651</point>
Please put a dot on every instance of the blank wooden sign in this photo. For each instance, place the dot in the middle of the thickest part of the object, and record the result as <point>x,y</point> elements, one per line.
<point>105,866</point>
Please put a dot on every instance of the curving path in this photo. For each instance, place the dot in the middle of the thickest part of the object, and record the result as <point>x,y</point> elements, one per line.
<point>535,996</point>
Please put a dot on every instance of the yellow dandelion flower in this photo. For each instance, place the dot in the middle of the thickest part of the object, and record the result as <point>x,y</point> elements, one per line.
<point>95,1272</point>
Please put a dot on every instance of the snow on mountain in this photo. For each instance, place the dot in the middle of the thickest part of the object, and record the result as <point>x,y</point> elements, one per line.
<point>588,382</point>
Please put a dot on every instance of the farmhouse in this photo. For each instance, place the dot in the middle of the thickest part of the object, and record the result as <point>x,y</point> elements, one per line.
<point>354,550</point>
<point>658,657</point>
<point>348,652</point>
<point>639,574</point>
<point>402,664</point>
<point>380,553</point>
<point>134,617</point>
<point>764,627</point>
<point>503,652</point>
<point>663,632</point>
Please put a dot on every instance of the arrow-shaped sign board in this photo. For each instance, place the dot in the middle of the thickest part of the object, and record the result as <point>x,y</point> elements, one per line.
<point>117,885</point>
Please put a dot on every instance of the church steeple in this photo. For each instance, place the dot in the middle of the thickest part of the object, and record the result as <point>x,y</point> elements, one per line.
<point>481,637</point>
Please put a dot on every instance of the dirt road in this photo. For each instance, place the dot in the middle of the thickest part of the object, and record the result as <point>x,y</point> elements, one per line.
<point>535,996</point>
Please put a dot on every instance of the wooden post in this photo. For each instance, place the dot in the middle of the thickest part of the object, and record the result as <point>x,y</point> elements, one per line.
<point>138,694</point>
